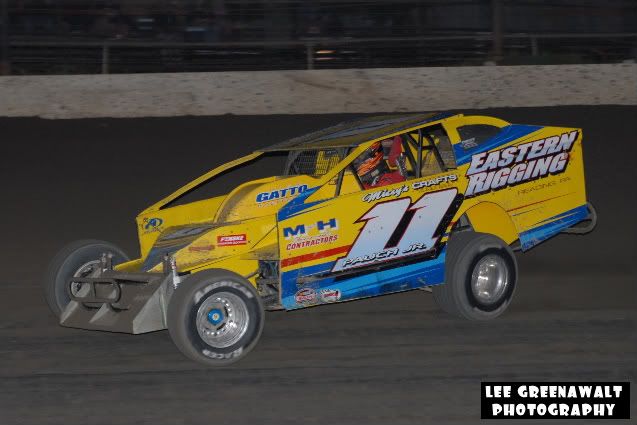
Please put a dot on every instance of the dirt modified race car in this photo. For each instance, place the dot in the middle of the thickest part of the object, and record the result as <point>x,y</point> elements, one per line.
<point>384,204</point>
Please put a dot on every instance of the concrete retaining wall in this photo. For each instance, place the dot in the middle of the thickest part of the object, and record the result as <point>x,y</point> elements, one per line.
<point>318,91</point>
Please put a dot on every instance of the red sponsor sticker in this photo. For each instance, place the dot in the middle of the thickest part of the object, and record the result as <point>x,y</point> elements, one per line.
<point>305,296</point>
<point>226,240</point>
<point>330,295</point>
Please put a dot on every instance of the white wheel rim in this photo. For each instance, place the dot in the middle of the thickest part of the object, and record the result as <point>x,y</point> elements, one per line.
<point>222,319</point>
<point>490,279</point>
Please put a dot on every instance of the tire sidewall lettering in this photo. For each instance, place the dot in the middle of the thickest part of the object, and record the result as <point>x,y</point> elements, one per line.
<point>222,356</point>
<point>224,283</point>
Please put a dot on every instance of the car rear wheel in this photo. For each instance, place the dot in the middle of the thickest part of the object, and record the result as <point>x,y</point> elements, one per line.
<point>215,317</point>
<point>480,276</point>
<point>78,259</point>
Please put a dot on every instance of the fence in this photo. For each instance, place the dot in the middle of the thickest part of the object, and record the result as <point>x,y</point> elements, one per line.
<point>36,56</point>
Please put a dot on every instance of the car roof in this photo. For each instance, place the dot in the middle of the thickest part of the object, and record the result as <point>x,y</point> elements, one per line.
<point>353,133</point>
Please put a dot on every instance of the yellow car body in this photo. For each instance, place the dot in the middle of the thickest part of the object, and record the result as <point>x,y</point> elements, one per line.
<point>325,237</point>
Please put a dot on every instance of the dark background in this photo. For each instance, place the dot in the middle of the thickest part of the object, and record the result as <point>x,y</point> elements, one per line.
<point>117,36</point>
<point>395,359</point>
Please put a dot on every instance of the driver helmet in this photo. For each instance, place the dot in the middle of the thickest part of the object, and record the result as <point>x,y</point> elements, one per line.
<point>370,164</point>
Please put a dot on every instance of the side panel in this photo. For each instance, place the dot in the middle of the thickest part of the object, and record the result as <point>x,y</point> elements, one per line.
<point>393,238</point>
<point>367,243</point>
<point>151,224</point>
<point>533,173</point>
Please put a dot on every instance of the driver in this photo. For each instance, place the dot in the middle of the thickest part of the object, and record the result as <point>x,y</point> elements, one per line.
<point>373,165</point>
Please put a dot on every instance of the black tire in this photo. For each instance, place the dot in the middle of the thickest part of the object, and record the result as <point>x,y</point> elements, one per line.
<point>67,262</point>
<point>191,299</point>
<point>464,251</point>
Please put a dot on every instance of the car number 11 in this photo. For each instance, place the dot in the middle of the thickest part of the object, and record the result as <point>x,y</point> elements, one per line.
<point>397,228</point>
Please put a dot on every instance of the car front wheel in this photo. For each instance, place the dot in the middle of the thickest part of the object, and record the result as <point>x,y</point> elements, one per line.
<point>215,317</point>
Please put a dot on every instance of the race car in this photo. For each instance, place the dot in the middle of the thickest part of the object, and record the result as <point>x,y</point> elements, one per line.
<point>380,205</point>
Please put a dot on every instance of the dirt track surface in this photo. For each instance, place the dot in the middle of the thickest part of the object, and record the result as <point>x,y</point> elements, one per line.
<point>394,359</point>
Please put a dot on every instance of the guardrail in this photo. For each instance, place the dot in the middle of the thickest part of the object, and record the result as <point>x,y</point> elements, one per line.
<point>473,49</point>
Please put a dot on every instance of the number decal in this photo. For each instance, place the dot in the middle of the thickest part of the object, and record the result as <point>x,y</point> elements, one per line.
<point>396,229</point>
<point>380,223</point>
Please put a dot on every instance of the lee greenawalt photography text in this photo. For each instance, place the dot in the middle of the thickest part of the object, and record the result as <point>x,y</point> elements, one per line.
<point>607,400</point>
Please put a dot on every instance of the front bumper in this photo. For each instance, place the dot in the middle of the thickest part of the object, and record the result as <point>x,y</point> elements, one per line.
<point>119,302</point>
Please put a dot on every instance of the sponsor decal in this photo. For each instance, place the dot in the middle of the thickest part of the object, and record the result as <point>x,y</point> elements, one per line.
<point>435,181</point>
<point>313,256</point>
<point>540,186</point>
<point>397,192</point>
<point>278,194</point>
<point>311,241</point>
<point>300,230</point>
<point>496,170</point>
<point>226,240</point>
<point>152,224</point>
<point>385,193</point>
<point>330,295</point>
<point>305,296</point>
<point>543,186</point>
<point>469,143</point>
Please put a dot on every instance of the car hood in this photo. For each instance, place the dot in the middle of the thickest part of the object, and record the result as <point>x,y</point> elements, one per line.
<point>246,217</point>
<point>262,197</point>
